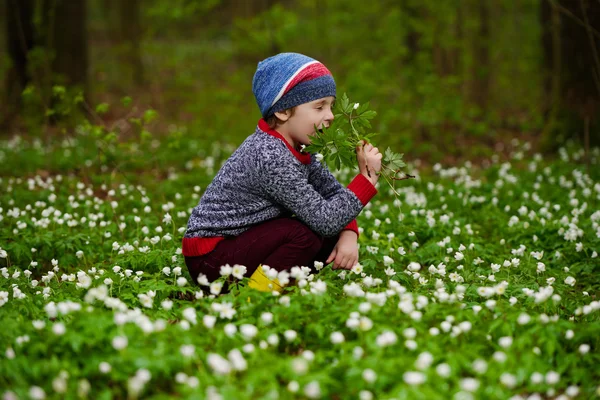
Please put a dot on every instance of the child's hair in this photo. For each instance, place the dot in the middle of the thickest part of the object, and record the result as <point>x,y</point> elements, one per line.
<point>273,121</point>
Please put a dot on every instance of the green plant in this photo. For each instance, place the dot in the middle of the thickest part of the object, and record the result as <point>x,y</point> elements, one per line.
<point>337,144</point>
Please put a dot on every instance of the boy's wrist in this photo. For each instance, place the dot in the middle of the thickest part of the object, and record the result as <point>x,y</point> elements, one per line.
<point>348,234</point>
<point>373,178</point>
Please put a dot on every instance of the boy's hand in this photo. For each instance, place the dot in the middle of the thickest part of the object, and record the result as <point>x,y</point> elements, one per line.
<point>345,252</point>
<point>369,161</point>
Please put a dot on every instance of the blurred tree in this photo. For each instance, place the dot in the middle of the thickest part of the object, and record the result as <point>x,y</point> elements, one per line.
<point>47,44</point>
<point>19,41</point>
<point>570,40</point>
<point>65,35</point>
<point>481,74</point>
<point>130,30</point>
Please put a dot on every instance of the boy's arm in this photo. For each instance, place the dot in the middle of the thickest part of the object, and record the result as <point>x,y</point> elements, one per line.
<point>327,185</point>
<point>286,183</point>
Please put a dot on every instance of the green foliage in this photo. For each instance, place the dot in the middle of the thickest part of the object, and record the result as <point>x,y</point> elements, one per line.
<point>454,222</point>
<point>338,143</point>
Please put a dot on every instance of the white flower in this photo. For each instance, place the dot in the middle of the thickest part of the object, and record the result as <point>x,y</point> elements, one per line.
<point>369,375</point>
<point>365,324</point>
<point>584,348</point>
<point>119,342</point>
<point>357,269</point>
<point>187,350</point>
<point>387,261</point>
<point>569,334</point>
<point>37,393</point>
<point>424,361</point>
<point>166,271</point>
<point>219,365</point>
<point>226,270</point>
<point>356,105</point>
<point>459,256</point>
<point>38,324</point>
<point>239,271</point>
<point>523,319</point>
<point>215,287</point>
<point>293,386</point>
<point>443,370</point>
<point>166,304</point>
<point>312,390</point>
<point>190,315</point>
<point>248,331</point>
<point>386,338</point>
<point>181,281</point>
<point>414,266</point>
<point>508,380</point>
<point>409,333</point>
<point>469,384</point>
<point>552,377</point>
<point>505,341</point>
<point>300,365</point>
<point>569,280</point>
<point>59,328</point>
<point>499,356</point>
<point>541,267</point>
<point>3,253</point>
<point>390,271</point>
<point>104,367</point>
<point>319,157</point>
<point>337,337</point>
<point>209,321</point>
<point>237,360</point>
<point>290,335</point>
<point>414,378</point>
<point>266,317</point>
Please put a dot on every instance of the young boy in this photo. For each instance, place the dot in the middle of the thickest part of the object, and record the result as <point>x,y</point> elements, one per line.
<point>271,203</point>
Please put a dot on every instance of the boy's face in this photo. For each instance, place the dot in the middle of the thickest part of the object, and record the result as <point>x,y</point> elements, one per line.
<point>301,126</point>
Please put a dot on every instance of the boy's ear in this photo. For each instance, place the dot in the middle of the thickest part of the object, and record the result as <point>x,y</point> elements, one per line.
<point>283,115</point>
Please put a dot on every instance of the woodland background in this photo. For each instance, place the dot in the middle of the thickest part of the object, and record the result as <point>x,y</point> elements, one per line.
<point>450,79</point>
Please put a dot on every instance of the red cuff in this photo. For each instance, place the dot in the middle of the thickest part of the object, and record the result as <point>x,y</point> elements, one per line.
<point>363,188</point>
<point>352,226</point>
<point>193,247</point>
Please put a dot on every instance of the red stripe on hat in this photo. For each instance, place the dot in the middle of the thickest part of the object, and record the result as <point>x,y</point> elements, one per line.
<point>313,71</point>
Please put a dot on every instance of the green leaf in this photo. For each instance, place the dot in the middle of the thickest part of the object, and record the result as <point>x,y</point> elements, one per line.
<point>126,101</point>
<point>102,108</point>
<point>149,116</point>
<point>369,114</point>
<point>345,103</point>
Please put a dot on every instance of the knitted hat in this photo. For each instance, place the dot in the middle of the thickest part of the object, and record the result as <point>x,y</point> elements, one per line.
<point>290,79</point>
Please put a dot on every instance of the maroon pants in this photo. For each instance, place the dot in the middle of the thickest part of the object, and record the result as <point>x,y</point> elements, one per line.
<point>280,243</point>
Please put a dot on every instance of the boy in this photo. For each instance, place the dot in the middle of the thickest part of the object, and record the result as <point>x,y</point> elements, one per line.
<point>246,214</point>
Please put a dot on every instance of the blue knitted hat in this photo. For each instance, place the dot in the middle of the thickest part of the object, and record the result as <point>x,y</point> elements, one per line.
<point>290,79</point>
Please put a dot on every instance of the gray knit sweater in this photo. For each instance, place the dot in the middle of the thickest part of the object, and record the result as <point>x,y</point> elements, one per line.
<point>265,178</point>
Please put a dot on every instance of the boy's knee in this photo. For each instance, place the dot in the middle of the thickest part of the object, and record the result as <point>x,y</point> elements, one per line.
<point>305,237</point>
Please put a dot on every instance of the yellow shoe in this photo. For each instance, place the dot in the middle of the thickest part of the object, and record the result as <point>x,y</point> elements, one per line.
<point>261,282</point>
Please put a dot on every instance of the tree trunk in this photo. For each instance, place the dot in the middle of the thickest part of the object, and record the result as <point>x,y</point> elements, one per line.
<point>572,56</point>
<point>19,41</point>
<point>481,88</point>
<point>131,34</point>
<point>68,40</point>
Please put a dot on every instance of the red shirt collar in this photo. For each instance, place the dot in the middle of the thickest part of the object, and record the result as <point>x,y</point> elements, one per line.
<point>304,158</point>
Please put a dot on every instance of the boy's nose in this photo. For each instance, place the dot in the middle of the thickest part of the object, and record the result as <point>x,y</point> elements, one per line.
<point>329,116</point>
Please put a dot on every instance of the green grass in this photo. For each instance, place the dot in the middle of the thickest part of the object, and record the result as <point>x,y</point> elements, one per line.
<point>45,186</point>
